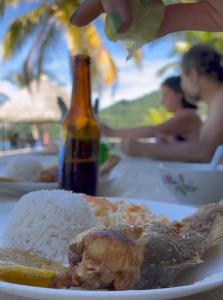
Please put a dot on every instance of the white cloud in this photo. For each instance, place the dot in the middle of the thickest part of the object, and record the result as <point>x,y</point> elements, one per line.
<point>7,88</point>
<point>134,83</point>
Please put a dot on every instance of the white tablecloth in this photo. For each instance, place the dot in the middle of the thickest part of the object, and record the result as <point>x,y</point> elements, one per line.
<point>132,178</point>
<point>136,178</point>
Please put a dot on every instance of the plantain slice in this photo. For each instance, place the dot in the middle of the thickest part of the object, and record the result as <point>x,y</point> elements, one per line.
<point>21,267</point>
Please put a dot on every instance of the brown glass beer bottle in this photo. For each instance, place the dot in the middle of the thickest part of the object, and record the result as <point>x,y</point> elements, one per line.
<point>79,157</point>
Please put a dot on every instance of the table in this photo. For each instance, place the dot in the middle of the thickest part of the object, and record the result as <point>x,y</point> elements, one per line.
<point>137,178</point>
<point>132,178</point>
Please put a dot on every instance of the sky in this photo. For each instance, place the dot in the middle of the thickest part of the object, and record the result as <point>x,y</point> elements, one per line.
<point>132,81</point>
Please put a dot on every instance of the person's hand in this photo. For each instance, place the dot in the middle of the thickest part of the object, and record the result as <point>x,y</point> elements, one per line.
<point>205,15</point>
<point>132,147</point>
<point>164,139</point>
<point>118,10</point>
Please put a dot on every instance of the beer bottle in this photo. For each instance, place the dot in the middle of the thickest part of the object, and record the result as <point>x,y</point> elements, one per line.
<point>80,154</point>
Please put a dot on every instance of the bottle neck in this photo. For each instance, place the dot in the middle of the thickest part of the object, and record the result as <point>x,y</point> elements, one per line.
<point>81,93</point>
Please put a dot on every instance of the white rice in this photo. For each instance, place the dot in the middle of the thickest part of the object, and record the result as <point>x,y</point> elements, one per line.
<point>24,169</point>
<point>44,223</point>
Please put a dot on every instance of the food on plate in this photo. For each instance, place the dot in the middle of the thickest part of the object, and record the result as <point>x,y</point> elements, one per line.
<point>132,249</point>
<point>143,257</point>
<point>30,169</point>
<point>21,267</point>
<point>121,211</point>
<point>44,222</point>
<point>24,169</point>
<point>49,174</point>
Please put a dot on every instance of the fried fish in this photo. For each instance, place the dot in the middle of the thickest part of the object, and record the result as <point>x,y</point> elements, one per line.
<point>122,257</point>
<point>143,257</point>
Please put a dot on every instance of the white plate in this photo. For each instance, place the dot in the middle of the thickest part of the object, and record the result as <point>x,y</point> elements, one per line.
<point>15,190</point>
<point>202,278</point>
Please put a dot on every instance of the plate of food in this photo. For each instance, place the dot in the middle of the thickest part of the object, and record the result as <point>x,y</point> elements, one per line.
<point>25,174</point>
<point>59,245</point>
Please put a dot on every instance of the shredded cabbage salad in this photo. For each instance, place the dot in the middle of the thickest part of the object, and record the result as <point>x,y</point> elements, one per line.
<point>121,211</point>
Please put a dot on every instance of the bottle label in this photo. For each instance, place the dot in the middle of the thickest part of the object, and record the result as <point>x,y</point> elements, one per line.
<point>79,166</point>
<point>81,151</point>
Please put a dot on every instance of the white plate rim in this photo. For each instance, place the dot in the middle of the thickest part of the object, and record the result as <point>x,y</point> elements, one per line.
<point>162,294</point>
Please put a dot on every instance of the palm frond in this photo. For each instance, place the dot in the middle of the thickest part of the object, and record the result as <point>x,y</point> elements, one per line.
<point>49,42</point>
<point>41,24</point>
<point>102,57</point>
<point>87,41</point>
<point>5,3</point>
<point>138,58</point>
<point>20,30</point>
<point>33,66</point>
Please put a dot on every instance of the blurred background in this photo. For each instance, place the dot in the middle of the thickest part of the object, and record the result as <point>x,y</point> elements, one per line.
<point>37,44</point>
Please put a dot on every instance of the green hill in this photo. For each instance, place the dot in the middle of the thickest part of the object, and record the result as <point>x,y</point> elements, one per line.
<point>130,113</point>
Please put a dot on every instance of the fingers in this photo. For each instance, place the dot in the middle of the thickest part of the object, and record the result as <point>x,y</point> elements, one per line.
<point>178,17</point>
<point>88,11</point>
<point>120,14</point>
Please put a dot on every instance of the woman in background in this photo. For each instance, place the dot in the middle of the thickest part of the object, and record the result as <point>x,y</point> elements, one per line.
<point>184,126</point>
<point>202,79</point>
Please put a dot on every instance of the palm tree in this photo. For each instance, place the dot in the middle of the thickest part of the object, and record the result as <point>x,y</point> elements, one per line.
<point>44,24</point>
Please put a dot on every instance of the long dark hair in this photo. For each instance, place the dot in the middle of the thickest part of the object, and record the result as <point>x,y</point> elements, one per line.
<point>174,83</point>
<point>207,61</point>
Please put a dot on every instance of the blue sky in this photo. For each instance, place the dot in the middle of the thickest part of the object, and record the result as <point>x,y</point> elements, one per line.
<point>132,82</point>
